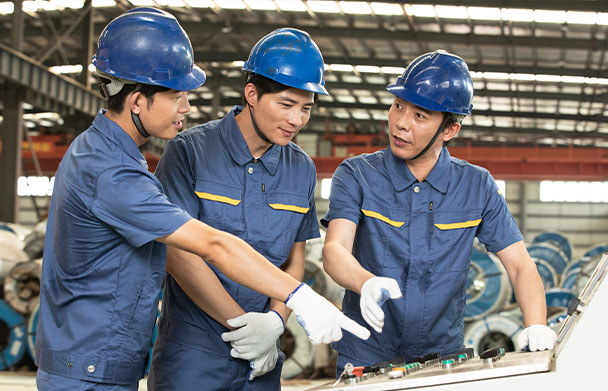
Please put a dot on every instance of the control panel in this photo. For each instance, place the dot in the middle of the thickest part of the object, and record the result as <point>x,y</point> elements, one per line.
<point>582,335</point>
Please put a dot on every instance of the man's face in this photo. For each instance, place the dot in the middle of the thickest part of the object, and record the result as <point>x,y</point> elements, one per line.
<point>281,115</point>
<point>411,128</point>
<point>164,116</point>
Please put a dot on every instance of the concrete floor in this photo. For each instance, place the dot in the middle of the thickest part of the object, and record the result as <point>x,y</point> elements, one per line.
<point>26,381</point>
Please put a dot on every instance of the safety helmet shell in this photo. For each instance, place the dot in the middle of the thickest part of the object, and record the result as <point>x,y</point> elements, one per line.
<point>290,57</point>
<point>147,45</point>
<point>437,81</point>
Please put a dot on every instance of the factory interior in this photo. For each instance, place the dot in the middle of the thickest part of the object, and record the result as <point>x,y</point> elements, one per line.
<point>539,125</point>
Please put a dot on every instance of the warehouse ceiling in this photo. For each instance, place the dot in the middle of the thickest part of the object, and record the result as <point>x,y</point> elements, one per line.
<point>539,67</point>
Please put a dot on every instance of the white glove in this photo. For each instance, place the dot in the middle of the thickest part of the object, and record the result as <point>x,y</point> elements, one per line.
<point>537,337</point>
<point>264,363</point>
<point>321,320</point>
<point>256,334</point>
<point>374,293</point>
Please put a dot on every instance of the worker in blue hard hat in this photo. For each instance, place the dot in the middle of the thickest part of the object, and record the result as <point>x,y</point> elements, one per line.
<point>110,222</point>
<point>244,175</point>
<point>401,224</point>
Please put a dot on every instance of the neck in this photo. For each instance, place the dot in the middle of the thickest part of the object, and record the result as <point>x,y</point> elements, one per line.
<point>126,124</point>
<point>422,166</point>
<point>255,144</point>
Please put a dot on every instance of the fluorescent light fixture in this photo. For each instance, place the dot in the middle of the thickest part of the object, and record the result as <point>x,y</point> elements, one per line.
<point>453,12</point>
<point>171,3</point>
<point>324,6</point>
<point>7,7</point>
<point>484,13</point>
<point>291,5</point>
<point>542,16</point>
<point>517,15</point>
<point>267,5</point>
<point>92,68</point>
<point>33,6</point>
<point>355,7</point>
<point>200,3</point>
<point>386,9</point>
<point>573,17</point>
<point>367,68</point>
<point>103,3</point>
<point>238,64</point>
<point>570,191</point>
<point>392,70</point>
<point>66,69</point>
<point>75,4</point>
<point>420,10</point>
<point>341,67</point>
<point>231,4</point>
<point>142,2</point>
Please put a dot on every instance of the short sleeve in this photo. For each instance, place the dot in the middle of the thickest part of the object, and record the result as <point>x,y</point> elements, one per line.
<point>131,202</point>
<point>175,174</point>
<point>498,228</point>
<point>309,227</point>
<point>345,196</point>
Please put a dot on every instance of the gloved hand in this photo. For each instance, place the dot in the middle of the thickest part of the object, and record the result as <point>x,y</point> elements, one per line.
<point>256,334</point>
<point>374,293</point>
<point>321,320</point>
<point>537,337</point>
<point>264,363</point>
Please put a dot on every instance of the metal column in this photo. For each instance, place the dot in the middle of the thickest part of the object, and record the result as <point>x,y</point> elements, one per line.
<point>12,135</point>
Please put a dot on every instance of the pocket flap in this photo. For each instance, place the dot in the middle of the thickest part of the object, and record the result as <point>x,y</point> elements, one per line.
<point>218,192</point>
<point>289,202</point>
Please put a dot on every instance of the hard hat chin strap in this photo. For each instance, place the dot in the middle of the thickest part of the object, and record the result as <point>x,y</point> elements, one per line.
<point>261,135</point>
<point>136,121</point>
<point>443,124</point>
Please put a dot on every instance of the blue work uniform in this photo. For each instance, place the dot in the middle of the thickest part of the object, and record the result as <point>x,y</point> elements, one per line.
<point>421,234</point>
<point>268,202</point>
<point>102,267</point>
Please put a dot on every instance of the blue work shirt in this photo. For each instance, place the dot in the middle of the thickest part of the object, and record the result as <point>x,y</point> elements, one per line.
<point>421,234</point>
<point>102,269</point>
<point>268,202</point>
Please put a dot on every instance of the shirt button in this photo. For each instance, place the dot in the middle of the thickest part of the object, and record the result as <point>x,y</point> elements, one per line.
<point>91,368</point>
<point>416,189</point>
<point>250,170</point>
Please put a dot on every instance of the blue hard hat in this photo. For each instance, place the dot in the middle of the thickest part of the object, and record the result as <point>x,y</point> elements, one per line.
<point>290,57</point>
<point>437,81</point>
<point>147,45</point>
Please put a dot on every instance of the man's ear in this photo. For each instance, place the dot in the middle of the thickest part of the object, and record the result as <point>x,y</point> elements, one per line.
<point>135,100</point>
<point>451,131</point>
<point>251,94</point>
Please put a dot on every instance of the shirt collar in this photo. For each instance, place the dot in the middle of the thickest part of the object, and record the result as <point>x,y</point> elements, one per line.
<point>116,135</point>
<point>402,177</point>
<point>439,176</point>
<point>237,147</point>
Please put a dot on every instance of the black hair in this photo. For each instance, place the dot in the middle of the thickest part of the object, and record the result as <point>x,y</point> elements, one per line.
<point>264,85</point>
<point>116,103</point>
<point>450,119</point>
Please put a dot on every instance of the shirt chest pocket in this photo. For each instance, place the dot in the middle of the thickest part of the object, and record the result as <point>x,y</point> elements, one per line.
<point>453,233</point>
<point>386,229</point>
<point>284,216</point>
<point>220,206</point>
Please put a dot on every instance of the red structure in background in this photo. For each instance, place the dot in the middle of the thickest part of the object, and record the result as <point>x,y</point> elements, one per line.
<point>508,163</point>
